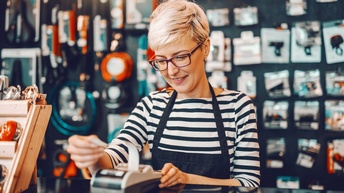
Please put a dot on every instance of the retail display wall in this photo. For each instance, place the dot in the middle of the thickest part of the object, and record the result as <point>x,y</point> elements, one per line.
<point>90,58</point>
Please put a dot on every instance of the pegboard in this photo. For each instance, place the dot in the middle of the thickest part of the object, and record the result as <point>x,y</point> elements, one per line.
<point>271,13</point>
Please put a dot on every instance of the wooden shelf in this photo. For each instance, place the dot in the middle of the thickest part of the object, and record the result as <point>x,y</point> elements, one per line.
<point>22,166</point>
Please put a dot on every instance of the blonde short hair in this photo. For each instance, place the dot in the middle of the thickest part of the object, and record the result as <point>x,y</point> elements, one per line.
<point>173,19</point>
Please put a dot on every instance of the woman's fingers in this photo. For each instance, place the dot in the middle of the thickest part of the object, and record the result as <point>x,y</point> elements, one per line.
<point>83,161</point>
<point>82,141</point>
<point>82,151</point>
<point>171,176</point>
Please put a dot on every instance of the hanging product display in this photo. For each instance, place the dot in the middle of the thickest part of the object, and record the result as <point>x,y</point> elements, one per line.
<point>275,44</point>
<point>3,85</point>
<point>218,17</point>
<point>216,57</point>
<point>247,83</point>
<point>333,34</point>
<point>52,59</point>
<point>145,75</point>
<point>306,114</point>
<point>218,79</point>
<point>219,59</point>
<point>306,42</point>
<point>245,16</point>
<point>117,13</point>
<point>288,182</point>
<point>307,83</point>
<point>67,28</point>
<point>296,7</point>
<point>101,31</point>
<point>46,36</point>
<point>116,66</point>
<point>335,156</point>
<point>247,49</point>
<point>63,165</point>
<point>67,23</point>
<point>277,84</point>
<point>335,83</point>
<point>22,19</point>
<point>275,151</point>
<point>334,115</point>
<point>72,113</point>
<point>22,66</point>
<point>275,114</point>
<point>83,25</point>
<point>308,152</point>
<point>137,13</point>
<point>114,96</point>
<point>100,39</point>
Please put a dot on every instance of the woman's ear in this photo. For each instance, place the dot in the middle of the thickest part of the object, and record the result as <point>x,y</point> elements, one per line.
<point>206,46</point>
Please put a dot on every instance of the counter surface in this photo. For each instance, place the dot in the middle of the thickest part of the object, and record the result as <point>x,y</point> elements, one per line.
<point>55,185</point>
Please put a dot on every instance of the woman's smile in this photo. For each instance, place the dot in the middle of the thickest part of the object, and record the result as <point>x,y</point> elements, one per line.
<point>179,80</point>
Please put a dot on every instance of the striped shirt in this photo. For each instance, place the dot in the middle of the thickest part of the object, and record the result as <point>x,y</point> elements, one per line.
<point>191,128</point>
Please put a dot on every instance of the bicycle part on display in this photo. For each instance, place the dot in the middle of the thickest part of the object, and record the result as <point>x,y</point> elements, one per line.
<point>74,108</point>
<point>278,45</point>
<point>3,85</point>
<point>10,131</point>
<point>336,41</point>
<point>100,33</point>
<point>20,32</point>
<point>12,93</point>
<point>116,66</point>
<point>16,74</point>
<point>3,174</point>
<point>100,28</point>
<point>308,35</point>
<point>114,96</point>
<point>63,165</point>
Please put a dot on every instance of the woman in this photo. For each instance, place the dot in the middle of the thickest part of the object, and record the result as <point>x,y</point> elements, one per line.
<point>197,134</point>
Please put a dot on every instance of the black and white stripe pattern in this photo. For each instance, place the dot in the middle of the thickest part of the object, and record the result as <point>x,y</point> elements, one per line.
<point>191,128</point>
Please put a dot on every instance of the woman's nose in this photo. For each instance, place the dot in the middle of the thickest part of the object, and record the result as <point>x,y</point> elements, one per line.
<point>171,68</point>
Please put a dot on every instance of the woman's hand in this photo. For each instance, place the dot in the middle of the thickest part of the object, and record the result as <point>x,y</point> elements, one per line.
<point>171,176</point>
<point>83,151</point>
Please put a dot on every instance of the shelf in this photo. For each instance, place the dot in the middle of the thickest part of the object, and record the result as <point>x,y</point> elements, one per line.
<point>22,166</point>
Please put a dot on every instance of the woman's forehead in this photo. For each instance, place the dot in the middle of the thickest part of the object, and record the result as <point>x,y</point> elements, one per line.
<point>175,47</point>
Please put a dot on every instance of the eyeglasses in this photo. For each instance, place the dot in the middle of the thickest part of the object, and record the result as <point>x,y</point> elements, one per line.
<point>178,61</point>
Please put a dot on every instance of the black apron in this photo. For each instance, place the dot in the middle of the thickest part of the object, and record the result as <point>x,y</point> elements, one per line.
<point>209,165</point>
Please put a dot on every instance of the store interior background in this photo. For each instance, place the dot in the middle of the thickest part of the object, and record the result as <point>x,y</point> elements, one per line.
<point>101,114</point>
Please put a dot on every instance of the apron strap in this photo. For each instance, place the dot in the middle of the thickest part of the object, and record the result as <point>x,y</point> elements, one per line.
<point>219,123</point>
<point>163,121</point>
